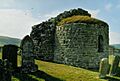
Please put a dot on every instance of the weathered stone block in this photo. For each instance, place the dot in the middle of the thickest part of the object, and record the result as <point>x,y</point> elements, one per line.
<point>114,65</point>
<point>104,67</point>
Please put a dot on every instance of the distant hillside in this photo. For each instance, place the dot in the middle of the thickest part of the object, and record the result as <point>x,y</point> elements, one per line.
<point>8,40</point>
<point>116,46</point>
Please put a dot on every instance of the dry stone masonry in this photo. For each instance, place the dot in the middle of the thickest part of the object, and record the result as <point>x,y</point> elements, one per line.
<point>43,37</point>
<point>28,62</point>
<point>73,38</point>
<point>43,34</point>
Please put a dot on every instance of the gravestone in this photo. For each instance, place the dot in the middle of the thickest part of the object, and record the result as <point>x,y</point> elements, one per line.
<point>1,70</point>
<point>104,67</point>
<point>10,53</point>
<point>114,65</point>
<point>5,70</point>
<point>8,70</point>
<point>28,62</point>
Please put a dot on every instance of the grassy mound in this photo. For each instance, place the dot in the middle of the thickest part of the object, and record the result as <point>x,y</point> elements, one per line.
<point>81,19</point>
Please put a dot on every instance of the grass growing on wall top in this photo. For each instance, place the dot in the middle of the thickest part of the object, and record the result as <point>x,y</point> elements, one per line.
<point>81,19</point>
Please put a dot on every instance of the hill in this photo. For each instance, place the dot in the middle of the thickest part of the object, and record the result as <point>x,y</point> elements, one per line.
<point>9,40</point>
<point>116,46</point>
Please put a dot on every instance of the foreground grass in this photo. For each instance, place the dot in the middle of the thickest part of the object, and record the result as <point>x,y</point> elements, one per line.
<point>67,73</point>
<point>59,72</point>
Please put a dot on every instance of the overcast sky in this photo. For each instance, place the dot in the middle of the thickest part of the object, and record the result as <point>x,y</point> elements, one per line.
<point>17,16</point>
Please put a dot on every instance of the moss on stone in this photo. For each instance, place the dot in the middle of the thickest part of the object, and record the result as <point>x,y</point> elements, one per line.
<point>81,19</point>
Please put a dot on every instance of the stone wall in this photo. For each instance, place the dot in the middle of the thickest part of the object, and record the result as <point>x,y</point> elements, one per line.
<point>80,43</point>
<point>43,34</point>
<point>43,37</point>
<point>77,44</point>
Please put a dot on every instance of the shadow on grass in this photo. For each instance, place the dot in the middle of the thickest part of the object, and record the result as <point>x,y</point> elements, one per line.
<point>111,78</point>
<point>38,74</point>
<point>118,72</point>
<point>46,77</point>
<point>94,70</point>
<point>23,77</point>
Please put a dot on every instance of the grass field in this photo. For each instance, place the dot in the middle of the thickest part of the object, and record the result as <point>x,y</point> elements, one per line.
<point>59,72</point>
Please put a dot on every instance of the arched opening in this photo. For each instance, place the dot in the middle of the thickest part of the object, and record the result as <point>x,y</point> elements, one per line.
<point>100,43</point>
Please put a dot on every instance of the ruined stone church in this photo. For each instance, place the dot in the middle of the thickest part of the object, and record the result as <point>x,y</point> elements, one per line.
<point>72,38</point>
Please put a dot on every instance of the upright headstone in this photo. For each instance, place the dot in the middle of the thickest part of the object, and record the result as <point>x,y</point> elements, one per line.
<point>10,53</point>
<point>114,65</point>
<point>28,63</point>
<point>104,67</point>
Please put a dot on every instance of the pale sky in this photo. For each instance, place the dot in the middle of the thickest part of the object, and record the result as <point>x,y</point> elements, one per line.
<point>17,16</point>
